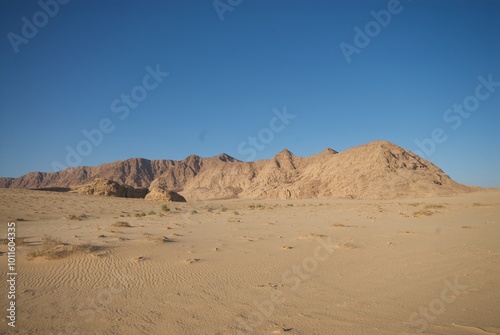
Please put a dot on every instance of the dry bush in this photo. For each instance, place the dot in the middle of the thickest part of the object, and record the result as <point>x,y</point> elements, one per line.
<point>121,224</point>
<point>428,210</point>
<point>434,206</point>
<point>423,212</point>
<point>54,248</point>
<point>74,217</point>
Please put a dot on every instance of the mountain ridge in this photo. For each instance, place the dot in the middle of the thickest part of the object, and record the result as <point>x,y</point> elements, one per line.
<point>377,170</point>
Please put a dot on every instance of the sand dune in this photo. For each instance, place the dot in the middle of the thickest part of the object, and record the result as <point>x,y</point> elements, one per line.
<point>255,267</point>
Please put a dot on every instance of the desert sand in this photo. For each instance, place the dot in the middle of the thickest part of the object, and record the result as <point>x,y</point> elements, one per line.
<point>429,265</point>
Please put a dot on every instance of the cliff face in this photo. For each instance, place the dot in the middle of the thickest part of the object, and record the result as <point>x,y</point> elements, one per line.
<point>377,170</point>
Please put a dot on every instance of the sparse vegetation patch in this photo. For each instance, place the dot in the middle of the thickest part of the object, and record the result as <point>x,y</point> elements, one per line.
<point>75,217</point>
<point>54,248</point>
<point>121,224</point>
<point>428,210</point>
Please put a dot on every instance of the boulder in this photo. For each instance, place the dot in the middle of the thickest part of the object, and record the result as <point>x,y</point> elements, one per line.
<point>158,190</point>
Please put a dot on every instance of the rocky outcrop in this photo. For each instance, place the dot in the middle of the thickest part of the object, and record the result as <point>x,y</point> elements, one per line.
<point>106,187</point>
<point>159,191</point>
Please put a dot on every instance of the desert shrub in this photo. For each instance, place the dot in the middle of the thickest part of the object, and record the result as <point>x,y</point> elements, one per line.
<point>165,208</point>
<point>54,248</point>
<point>423,212</point>
<point>428,210</point>
<point>151,213</point>
<point>121,224</point>
<point>74,217</point>
<point>434,206</point>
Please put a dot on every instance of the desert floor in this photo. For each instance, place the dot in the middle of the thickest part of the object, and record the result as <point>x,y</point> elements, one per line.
<point>316,267</point>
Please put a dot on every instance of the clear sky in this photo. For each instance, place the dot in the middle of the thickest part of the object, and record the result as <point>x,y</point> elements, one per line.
<point>249,78</point>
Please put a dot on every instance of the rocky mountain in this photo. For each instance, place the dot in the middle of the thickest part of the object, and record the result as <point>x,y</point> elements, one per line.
<point>377,170</point>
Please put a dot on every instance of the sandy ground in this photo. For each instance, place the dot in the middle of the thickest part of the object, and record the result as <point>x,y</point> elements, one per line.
<point>253,267</point>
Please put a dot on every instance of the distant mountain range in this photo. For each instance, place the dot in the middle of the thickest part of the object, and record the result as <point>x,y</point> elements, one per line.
<point>377,170</point>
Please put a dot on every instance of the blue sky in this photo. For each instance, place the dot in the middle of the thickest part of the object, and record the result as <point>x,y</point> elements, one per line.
<point>228,78</point>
